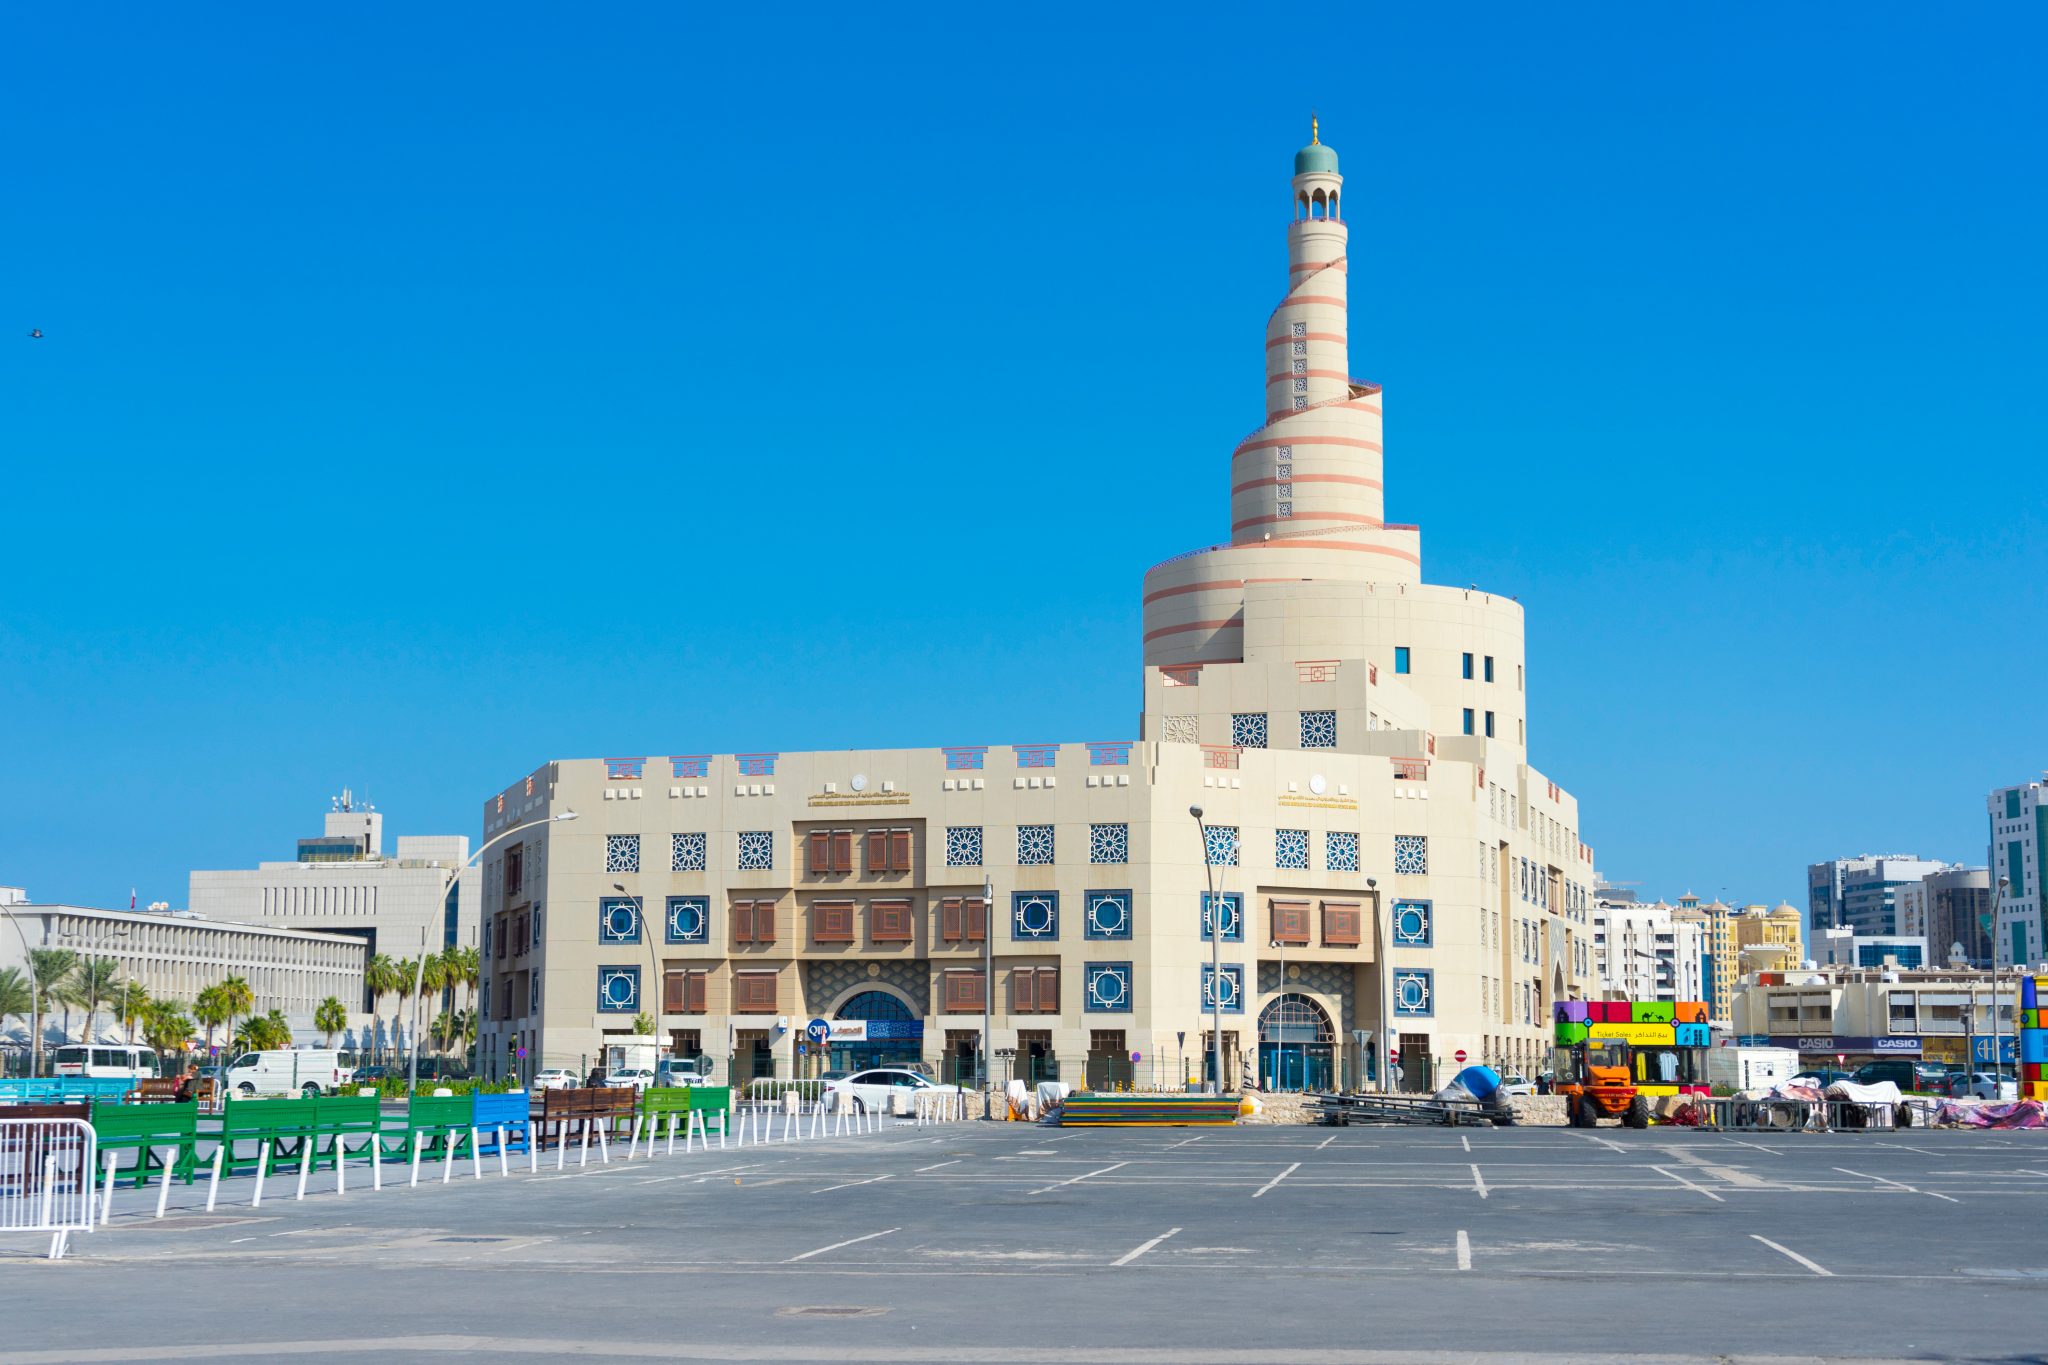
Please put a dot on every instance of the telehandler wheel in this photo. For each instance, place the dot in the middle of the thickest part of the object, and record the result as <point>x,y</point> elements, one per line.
<point>1638,1115</point>
<point>1588,1115</point>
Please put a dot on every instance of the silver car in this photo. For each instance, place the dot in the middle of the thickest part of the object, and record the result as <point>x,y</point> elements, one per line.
<point>869,1091</point>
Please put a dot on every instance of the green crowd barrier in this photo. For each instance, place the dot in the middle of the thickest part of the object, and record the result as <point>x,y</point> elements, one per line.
<point>148,1130</point>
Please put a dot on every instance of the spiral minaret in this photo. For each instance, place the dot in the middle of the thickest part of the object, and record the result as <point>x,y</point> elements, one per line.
<point>1307,500</point>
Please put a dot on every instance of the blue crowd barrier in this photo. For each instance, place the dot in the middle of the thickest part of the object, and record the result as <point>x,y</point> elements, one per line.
<point>63,1089</point>
<point>513,1113</point>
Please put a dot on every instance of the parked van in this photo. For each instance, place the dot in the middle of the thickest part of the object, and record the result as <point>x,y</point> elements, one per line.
<point>102,1059</point>
<point>1908,1075</point>
<point>305,1071</point>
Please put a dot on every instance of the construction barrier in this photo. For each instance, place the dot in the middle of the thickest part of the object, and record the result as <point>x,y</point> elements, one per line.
<point>46,1178</point>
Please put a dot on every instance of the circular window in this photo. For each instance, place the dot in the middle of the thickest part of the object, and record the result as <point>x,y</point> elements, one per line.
<point>686,920</point>
<point>1034,917</point>
<point>620,990</point>
<point>620,921</point>
<point>1411,923</point>
<point>1109,915</point>
<point>1412,992</point>
<point>1108,989</point>
<point>1225,987</point>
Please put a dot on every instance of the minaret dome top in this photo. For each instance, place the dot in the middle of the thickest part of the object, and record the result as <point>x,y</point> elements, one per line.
<point>1315,158</point>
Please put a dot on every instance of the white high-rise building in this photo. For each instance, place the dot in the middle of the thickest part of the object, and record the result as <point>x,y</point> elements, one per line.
<point>2019,855</point>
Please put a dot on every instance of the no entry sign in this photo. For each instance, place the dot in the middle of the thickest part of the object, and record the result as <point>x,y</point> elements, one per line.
<point>1460,1055</point>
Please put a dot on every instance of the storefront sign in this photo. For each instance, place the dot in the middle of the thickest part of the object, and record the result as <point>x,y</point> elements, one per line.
<point>1900,1045</point>
<point>849,1030</point>
<point>2008,1050</point>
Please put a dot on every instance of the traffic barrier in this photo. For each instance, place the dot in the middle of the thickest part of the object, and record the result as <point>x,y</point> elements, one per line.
<point>46,1178</point>
<point>147,1130</point>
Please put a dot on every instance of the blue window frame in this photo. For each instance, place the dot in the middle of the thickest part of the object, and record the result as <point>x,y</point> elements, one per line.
<point>1489,668</point>
<point>689,919</point>
<point>1469,719</point>
<point>1227,906</point>
<point>1224,990</point>
<point>1468,667</point>
<point>1414,993</point>
<point>1106,988</point>
<point>1400,658</point>
<point>618,919</point>
<point>618,990</point>
<point>1489,725</point>
<point>1034,916</point>
<point>1414,924</point>
<point>1109,915</point>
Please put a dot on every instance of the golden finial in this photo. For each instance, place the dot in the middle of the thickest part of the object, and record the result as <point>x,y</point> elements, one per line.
<point>1315,130</point>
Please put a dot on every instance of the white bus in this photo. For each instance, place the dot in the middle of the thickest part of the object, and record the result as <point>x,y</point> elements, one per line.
<point>105,1059</point>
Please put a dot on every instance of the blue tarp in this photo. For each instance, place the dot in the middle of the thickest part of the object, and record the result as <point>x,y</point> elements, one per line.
<point>1479,1081</point>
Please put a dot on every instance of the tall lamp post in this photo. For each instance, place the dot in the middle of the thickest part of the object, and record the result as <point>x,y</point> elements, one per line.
<point>988,986</point>
<point>1212,914</point>
<point>1380,950</point>
<point>35,997</point>
<point>1997,1032</point>
<point>419,969</point>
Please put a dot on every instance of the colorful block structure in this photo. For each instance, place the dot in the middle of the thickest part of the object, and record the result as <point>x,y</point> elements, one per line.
<point>1666,1038</point>
<point>2033,1038</point>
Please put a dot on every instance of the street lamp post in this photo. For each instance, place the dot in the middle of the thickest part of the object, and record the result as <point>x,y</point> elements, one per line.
<point>1279,1021</point>
<point>1379,946</point>
<point>1997,1032</point>
<point>35,998</point>
<point>419,969</point>
<point>988,985</point>
<point>1212,913</point>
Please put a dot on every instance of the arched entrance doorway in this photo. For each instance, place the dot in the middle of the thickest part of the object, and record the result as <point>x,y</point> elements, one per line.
<point>890,1034</point>
<point>1296,1045</point>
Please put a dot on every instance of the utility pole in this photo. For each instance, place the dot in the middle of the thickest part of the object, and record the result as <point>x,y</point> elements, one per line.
<point>988,986</point>
<point>1213,913</point>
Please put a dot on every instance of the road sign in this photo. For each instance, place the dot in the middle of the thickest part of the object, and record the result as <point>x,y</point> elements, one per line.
<point>1137,1057</point>
<point>522,1054</point>
<point>1459,1056</point>
<point>817,1030</point>
<point>1181,1038</point>
<point>1363,1036</point>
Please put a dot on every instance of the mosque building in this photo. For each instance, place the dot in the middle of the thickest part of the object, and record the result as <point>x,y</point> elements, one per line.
<point>1387,878</point>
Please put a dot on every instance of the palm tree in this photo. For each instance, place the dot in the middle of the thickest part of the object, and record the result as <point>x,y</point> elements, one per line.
<point>48,969</point>
<point>93,980</point>
<point>235,998</point>
<point>130,1001</point>
<point>277,1030</point>
<point>378,976</point>
<point>16,997</point>
<point>433,980</point>
<point>472,972</point>
<point>264,1032</point>
<point>211,1010</point>
<point>404,971</point>
<point>330,1017</point>
<point>166,1027</point>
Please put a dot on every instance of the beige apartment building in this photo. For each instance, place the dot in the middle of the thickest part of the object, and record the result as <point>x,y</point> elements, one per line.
<point>1384,869</point>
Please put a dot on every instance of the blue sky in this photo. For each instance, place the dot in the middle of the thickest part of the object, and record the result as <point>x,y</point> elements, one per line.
<point>432,391</point>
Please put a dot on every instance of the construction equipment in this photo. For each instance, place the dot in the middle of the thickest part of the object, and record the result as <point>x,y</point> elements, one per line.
<point>1612,1057</point>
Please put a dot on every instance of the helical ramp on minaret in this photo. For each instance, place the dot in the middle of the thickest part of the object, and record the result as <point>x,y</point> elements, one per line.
<point>1307,499</point>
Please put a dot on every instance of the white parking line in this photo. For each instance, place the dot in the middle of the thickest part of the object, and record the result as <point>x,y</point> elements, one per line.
<point>851,1183</point>
<point>1079,1178</point>
<point>1467,1141</point>
<point>1604,1142</point>
<point>1326,1142</point>
<point>1464,1250</point>
<point>1277,1179</point>
<point>922,1169</point>
<point>1135,1252</point>
<point>836,1245</point>
<point>1197,1138</point>
<point>1477,1183</point>
<point>1665,1170</point>
<point>1897,1185</point>
<point>1788,1251</point>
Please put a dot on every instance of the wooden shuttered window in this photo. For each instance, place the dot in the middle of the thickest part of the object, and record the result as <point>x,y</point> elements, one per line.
<point>963,919</point>
<point>1341,924</point>
<point>1290,922</point>
<point>753,992</point>
<point>1035,990</point>
<point>683,992</point>
<point>889,921</point>
<point>753,922</point>
<point>829,850</point>
<point>888,850</point>
<point>832,921</point>
<point>965,991</point>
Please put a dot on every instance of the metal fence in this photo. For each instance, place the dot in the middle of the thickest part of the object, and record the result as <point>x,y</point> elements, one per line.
<point>46,1178</point>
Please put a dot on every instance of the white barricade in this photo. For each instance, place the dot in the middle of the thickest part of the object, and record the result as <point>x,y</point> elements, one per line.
<point>46,1178</point>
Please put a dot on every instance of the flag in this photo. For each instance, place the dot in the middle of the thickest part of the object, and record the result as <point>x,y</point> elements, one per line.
<point>131,898</point>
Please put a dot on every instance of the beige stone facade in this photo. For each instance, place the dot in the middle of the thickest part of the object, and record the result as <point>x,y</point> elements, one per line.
<point>1384,856</point>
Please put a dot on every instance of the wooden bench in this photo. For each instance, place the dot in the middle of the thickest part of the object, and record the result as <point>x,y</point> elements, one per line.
<point>598,1108</point>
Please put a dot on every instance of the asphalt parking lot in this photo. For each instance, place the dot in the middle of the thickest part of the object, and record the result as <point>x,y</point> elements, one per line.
<point>1012,1243</point>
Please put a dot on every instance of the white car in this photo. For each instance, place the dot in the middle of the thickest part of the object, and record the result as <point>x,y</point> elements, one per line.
<point>869,1091</point>
<point>630,1078</point>
<point>1512,1086</point>
<point>554,1078</point>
